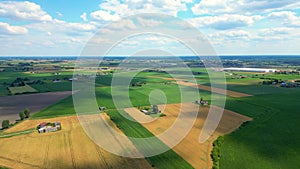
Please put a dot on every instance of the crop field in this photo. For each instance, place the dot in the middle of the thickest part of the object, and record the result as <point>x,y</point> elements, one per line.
<point>209,89</point>
<point>6,78</point>
<point>67,148</point>
<point>216,90</point>
<point>22,89</point>
<point>10,106</point>
<point>198,155</point>
<point>166,160</point>
<point>139,96</point>
<point>272,136</point>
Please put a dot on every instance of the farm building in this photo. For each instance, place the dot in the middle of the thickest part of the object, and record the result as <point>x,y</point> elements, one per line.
<point>250,69</point>
<point>49,127</point>
<point>145,112</point>
<point>102,108</point>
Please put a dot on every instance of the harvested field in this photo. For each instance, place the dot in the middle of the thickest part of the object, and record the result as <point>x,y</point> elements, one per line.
<point>198,155</point>
<point>206,88</point>
<point>67,148</point>
<point>10,106</point>
<point>216,90</point>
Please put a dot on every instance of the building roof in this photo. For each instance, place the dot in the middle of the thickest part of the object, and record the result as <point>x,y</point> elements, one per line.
<point>249,69</point>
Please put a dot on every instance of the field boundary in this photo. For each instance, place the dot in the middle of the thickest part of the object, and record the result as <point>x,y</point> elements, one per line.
<point>206,88</point>
<point>18,133</point>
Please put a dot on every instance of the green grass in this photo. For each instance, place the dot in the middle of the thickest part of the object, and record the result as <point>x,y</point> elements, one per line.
<point>271,140</point>
<point>22,89</point>
<point>53,87</point>
<point>62,108</point>
<point>12,134</point>
<point>2,167</point>
<point>3,90</point>
<point>261,89</point>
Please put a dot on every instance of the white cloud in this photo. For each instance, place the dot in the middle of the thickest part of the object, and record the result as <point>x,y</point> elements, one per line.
<point>83,16</point>
<point>5,28</point>
<point>224,22</point>
<point>112,10</point>
<point>223,37</point>
<point>63,27</point>
<point>104,16</point>
<point>276,31</point>
<point>187,1</point>
<point>123,24</point>
<point>242,6</point>
<point>278,34</point>
<point>285,17</point>
<point>23,11</point>
<point>59,14</point>
<point>148,22</point>
<point>211,6</point>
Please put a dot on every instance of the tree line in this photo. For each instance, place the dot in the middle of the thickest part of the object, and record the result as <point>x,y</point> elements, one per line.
<point>23,115</point>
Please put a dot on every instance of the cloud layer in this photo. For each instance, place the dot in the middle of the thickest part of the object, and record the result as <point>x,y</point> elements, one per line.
<point>232,26</point>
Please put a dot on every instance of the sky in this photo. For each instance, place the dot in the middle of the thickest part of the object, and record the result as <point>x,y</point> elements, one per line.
<point>233,27</point>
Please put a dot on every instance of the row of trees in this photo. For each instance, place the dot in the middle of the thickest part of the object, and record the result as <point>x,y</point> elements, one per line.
<point>216,152</point>
<point>23,114</point>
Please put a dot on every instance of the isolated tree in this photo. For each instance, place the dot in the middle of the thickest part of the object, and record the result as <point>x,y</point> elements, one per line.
<point>5,124</point>
<point>27,113</point>
<point>155,109</point>
<point>22,115</point>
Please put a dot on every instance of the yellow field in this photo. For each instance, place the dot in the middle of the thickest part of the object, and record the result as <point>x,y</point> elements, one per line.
<point>21,89</point>
<point>68,148</point>
<point>198,155</point>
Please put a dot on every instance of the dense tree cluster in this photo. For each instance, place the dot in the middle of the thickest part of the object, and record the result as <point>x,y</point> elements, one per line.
<point>216,152</point>
<point>24,114</point>
<point>5,124</point>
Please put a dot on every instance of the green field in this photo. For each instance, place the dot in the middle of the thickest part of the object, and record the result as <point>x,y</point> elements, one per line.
<point>22,89</point>
<point>53,87</point>
<point>139,96</point>
<point>271,140</point>
<point>6,78</point>
<point>62,108</point>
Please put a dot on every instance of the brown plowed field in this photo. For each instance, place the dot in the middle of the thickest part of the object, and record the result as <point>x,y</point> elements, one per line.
<point>11,106</point>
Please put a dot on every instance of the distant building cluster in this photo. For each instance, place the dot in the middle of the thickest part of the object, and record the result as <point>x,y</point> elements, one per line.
<point>250,70</point>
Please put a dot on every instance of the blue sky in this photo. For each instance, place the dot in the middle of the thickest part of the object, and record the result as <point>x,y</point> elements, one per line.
<point>52,27</point>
